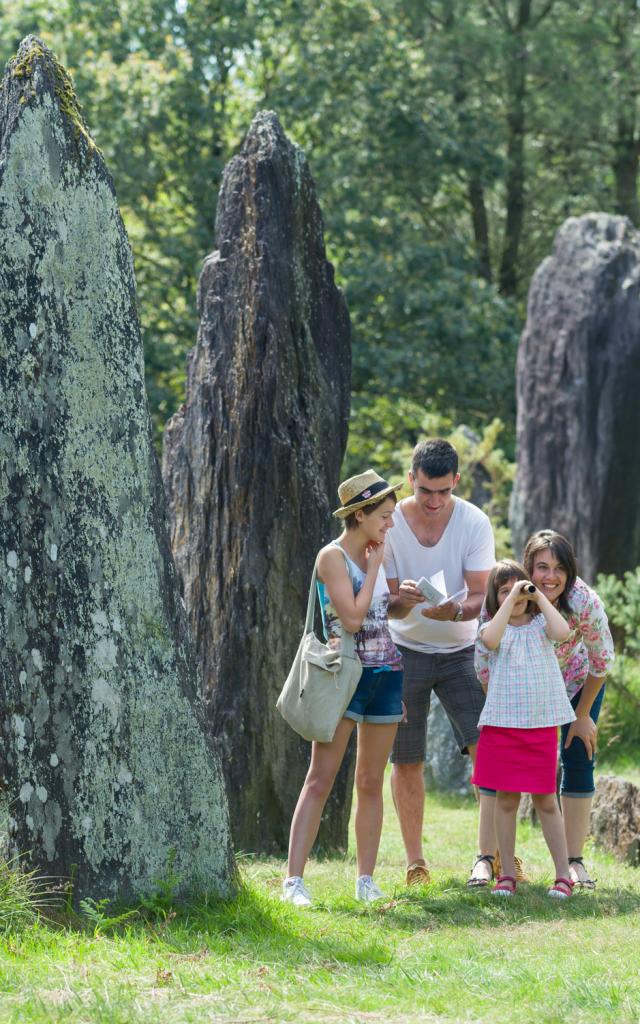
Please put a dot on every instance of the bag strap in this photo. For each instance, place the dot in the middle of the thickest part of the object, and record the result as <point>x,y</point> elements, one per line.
<point>348,646</point>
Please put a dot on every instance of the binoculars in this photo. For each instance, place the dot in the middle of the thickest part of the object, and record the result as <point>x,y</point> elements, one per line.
<point>528,588</point>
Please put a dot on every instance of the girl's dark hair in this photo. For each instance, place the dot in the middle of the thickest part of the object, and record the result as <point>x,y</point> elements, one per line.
<point>501,573</point>
<point>351,522</point>
<point>562,551</point>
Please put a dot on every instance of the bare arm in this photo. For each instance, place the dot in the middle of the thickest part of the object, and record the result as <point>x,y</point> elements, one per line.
<point>352,609</point>
<point>557,627</point>
<point>494,630</point>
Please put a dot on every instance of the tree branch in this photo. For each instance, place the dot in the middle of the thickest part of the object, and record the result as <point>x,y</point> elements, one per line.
<point>501,10</point>
<point>548,7</point>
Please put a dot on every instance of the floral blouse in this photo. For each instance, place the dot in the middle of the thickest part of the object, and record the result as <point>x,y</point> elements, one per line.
<point>588,650</point>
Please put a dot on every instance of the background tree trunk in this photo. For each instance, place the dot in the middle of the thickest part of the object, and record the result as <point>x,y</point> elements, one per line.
<point>626,146</point>
<point>516,91</point>
<point>108,771</point>
<point>251,466</point>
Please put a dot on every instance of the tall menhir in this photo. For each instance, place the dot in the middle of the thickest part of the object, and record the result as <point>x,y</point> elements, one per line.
<point>106,767</point>
<point>251,467</point>
<point>578,378</point>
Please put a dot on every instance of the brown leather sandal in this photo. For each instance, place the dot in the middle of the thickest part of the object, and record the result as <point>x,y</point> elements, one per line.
<point>418,873</point>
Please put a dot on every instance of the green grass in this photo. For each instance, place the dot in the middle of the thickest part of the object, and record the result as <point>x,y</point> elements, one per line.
<point>441,954</point>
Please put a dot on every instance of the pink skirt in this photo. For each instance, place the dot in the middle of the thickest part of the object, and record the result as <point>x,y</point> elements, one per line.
<point>517,760</point>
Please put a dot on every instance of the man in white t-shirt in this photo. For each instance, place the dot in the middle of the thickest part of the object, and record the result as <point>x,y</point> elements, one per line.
<point>437,533</point>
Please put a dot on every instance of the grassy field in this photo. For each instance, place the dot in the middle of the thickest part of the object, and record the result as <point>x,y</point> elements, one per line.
<point>441,954</point>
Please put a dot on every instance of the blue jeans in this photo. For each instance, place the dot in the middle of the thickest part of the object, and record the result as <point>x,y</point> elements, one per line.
<point>577,768</point>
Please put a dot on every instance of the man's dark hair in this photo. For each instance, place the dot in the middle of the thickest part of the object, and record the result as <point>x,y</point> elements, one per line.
<point>434,458</point>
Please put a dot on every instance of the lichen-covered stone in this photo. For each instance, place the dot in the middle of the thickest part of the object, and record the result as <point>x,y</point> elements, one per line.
<point>108,771</point>
<point>251,466</point>
<point>577,386</point>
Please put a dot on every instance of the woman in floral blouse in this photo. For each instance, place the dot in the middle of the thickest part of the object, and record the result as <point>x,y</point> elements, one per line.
<point>585,658</point>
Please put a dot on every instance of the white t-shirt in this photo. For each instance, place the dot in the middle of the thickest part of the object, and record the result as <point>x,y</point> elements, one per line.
<point>467,545</point>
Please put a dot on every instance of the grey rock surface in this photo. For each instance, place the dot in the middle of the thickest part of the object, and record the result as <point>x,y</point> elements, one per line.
<point>445,768</point>
<point>615,818</point>
<point>108,770</point>
<point>578,378</point>
<point>251,467</point>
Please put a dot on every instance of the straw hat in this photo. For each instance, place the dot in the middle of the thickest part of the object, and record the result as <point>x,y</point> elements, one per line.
<point>362,490</point>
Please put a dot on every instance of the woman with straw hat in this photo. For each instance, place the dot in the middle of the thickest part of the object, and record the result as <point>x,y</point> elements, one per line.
<point>354,596</point>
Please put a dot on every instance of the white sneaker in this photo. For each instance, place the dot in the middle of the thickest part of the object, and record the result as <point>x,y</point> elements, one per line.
<point>367,891</point>
<point>295,891</point>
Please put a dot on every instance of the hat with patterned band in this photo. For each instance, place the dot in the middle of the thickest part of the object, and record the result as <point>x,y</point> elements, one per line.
<point>362,490</point>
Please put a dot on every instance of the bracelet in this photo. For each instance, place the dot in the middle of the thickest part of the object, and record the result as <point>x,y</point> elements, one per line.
<point>460,612</point>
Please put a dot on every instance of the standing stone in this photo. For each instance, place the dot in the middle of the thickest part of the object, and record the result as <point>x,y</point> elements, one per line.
<point>578,377</point>
<point>251,468</point>
<point>615,818</point>
<point>445,768</point>
<point>107,768</point>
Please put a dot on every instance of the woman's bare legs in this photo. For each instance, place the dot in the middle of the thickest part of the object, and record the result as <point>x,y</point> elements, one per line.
<point>374,747</point>
<point>576,814</point>
<point>486,826</point>
<point>326,759</point>
<point>546,805</point>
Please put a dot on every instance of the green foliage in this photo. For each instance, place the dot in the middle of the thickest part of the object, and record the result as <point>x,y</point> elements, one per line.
<point>23,897</point>
<point>622,601</point>
<point>487,478</point>
<point>96,914</point>
<point>620,720</point>
<point>448,142</point>
<point>161,901</point>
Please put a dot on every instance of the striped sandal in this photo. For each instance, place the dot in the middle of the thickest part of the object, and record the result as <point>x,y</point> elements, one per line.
<point>481,883</point>
<point>582,883</point>
<point>561,889</point>
<point>505,886</point>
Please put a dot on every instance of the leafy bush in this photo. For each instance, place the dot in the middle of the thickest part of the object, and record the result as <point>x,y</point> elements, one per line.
<point>620,720</point>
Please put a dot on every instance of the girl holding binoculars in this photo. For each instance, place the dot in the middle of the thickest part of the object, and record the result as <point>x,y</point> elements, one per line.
<point>526,703</point>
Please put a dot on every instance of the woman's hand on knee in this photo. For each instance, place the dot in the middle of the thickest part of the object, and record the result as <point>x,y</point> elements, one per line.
<point>585,729</point>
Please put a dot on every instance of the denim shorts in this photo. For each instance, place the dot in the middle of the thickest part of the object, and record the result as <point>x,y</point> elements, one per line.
<point>378,697</point>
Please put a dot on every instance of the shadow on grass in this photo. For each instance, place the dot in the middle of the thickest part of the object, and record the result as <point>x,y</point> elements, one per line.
<point>253,925</point>
<point>450,903</point>
<point>258,924</point>
<point>256,928</point>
